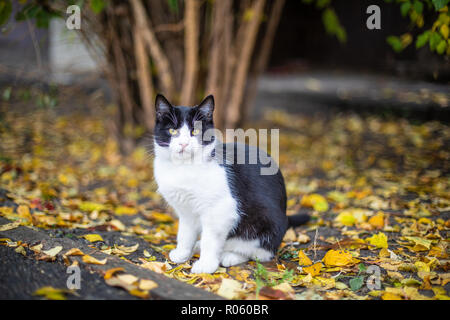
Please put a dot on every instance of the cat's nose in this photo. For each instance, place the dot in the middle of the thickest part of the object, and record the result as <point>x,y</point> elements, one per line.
<point>183,145</point>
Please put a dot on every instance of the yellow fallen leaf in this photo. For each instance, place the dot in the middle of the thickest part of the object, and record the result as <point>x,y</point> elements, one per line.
<point>168,247</point>
<point>51,293</point>
<point>156,266</point>
<point>379,240</point>
<point>90,259</point>
<point>229,289</point>
<point>9,226</point>
<point>303,238</point>
<point>384,253</point>
<point>109,273</point>
<point>377,221</point>
<point>93,237</point>
<point>161,217</point>
<point>116,282</point>
<point>117,224</point>
<point>24,212</point>
<point>123,210</point>
<point>91,206</point>
<point>21,250</point>
<point>290,235</point>
<point>422,266</point>
<point>138,293</point>
<point>6,211</point>
<point>145,284</point>
<point>303,259</point>
<point>337,258</point>
<point>74,252</point>
<point>127,250</point>
<point>420,244</point>
<point>412,293</point>
<point>341,286</point>
<point>54,251</point>
<point>314,269</point>
<point>327,283</point>
<point>239,273</point>
<point>390,296</point>
<point>304,280</point>
<point>127,278</point>
<point>395,275</point>
<point>438,252</point>
<point>346,218</point>
<point>315,201</point>
<point>37,248</point>
<point>352,216</point>
<point>147,254</point>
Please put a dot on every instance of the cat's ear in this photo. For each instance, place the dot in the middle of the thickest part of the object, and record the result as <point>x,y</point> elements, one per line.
<point>206,107</point>
<point>162,106</point>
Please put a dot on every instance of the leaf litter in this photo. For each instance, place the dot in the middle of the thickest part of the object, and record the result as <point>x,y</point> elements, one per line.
<point>377,190</point>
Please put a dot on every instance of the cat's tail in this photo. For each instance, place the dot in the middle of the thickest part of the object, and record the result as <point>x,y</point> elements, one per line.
<point>298,219</point>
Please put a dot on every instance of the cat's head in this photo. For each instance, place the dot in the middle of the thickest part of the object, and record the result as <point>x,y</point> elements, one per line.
<point>183,132</point>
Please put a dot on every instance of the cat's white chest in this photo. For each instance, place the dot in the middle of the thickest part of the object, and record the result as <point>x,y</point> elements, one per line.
<point>192,187</point>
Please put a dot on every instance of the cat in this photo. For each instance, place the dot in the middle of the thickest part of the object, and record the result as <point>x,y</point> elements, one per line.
<point>238,213</point>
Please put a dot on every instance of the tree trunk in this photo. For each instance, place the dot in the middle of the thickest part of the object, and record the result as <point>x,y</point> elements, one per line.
<point>191,18</point>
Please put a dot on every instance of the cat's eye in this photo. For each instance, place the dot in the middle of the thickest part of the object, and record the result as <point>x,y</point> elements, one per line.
<point>173,131</point>
<point>195,132</point>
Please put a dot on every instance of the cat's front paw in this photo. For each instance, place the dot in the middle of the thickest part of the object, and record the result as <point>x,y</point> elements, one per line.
<point>204,266</point>
<point>229,259</point>
<point>179,256</point>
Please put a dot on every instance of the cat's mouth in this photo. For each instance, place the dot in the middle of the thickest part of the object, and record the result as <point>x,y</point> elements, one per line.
<point>183,152</point>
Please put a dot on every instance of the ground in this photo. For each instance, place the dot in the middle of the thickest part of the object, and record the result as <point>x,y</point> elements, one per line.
<point>377,190</point>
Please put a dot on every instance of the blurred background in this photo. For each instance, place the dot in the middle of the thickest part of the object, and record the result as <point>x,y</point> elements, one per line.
<point>301,56</point>
<point>267,63</point>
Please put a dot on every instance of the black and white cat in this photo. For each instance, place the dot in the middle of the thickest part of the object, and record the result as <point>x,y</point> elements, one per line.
<point>238,213</point>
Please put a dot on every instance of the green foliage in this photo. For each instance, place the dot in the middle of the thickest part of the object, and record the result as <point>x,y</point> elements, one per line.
<point>439,4</point>
<point>405,7</point>
<point>356,283</point>
<point>97,6</point>
<point>5,11</point>
<point>395,43</point>
<point>173,6</point>
<point>399,43</point>
<point>418,6</point>
<point>422,39</point>
<point>436,37</point>
<point>269,279</point>
<point>332,25</point>
<point>330,19</point>
<point>41,12</point>
<point>38,12</point>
